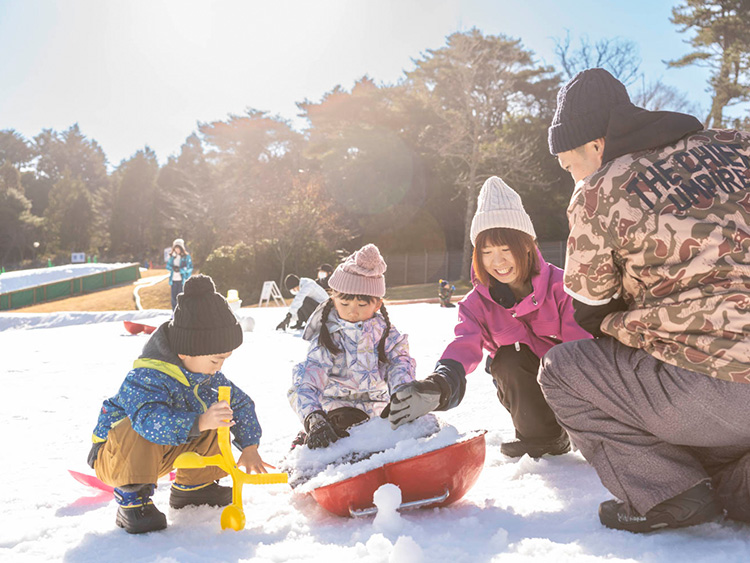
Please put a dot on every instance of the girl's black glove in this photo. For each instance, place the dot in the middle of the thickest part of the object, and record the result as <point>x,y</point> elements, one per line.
<point>320,433</point>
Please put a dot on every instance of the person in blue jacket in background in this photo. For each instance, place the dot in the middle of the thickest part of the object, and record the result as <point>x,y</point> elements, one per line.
<point>180,267</point>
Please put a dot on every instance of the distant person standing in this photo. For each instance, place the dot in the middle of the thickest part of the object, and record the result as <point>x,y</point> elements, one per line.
<point>180,267</point>
<point>445,292</point>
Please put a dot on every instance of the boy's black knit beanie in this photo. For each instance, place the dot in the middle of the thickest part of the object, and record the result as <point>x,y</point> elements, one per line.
<point>202,323</point>
<point>583,108</point>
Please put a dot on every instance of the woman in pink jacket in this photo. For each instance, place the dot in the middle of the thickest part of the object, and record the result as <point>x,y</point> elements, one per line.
<point>517,311</point>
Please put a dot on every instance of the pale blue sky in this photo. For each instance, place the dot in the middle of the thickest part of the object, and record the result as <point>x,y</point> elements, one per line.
<point>145,72</point>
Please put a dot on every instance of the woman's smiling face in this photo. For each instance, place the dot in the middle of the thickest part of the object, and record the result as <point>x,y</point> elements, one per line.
<point>500,264</point>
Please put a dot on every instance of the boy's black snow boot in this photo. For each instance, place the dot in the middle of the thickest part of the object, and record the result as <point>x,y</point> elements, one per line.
<point>535,448</point>
<point>694,506</point>
<point>211,494</point>
<point>136,513</point>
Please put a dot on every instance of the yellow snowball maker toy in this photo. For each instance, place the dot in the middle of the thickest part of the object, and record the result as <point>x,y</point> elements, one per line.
<point>233,516</point>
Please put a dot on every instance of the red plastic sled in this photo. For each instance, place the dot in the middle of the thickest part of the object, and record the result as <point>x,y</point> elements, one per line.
<point>135,328</point>
<point>436,478</point>
<point>96,483</point>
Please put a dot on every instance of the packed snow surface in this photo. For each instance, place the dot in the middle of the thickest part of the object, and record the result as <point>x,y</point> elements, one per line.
<point>58,368</point>
<point>21,279</point>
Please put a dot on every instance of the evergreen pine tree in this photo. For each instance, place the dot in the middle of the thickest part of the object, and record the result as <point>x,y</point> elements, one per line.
<point>69,217</point>
<point>722,43</point>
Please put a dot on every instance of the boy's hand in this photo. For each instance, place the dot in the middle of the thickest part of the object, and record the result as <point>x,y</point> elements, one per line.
<point>251,461</point>
<point>218,415</point>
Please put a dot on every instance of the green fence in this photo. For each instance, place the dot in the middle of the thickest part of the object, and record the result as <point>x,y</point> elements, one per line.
<point>68,288</point>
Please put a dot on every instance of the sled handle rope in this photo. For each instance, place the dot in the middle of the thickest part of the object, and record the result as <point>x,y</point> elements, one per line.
<point>233,516</point>
<point>404,505</point>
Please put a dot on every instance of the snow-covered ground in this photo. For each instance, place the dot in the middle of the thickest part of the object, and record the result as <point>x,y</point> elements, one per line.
<point>57,369</point>
<point>21,279</point>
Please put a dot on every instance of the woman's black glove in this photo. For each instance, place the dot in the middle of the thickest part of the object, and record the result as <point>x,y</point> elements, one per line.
<point>285,323</point>
<point>320,433</point>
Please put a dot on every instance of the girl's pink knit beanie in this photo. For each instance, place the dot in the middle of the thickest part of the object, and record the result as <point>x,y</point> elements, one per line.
<point>361,273</point>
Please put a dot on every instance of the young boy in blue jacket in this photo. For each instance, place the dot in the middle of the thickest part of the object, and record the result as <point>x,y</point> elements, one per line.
<point>167,405</point>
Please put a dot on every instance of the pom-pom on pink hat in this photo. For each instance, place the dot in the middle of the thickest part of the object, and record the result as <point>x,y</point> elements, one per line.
<point>361,273</point>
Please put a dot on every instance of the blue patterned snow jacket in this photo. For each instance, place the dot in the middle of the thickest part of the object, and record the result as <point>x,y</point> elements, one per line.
<point>185,269</point>
<point>163,400</point>
<point>353,377</point>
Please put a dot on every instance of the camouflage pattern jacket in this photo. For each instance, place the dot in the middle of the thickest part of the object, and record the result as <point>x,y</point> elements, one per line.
<point>353,377</point>
<point>668,229</point>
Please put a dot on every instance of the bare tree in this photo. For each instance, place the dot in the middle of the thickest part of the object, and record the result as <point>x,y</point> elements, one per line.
<point>619,56</point>
<point>658,96</point>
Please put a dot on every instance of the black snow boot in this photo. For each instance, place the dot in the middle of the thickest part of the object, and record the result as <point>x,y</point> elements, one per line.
<point>694,506</point>
<point>136,513</point>
<point>537,448</point>
<point>211,494</point>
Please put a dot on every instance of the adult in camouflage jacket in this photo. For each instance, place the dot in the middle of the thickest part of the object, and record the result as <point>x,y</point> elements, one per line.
<point>658,265</point>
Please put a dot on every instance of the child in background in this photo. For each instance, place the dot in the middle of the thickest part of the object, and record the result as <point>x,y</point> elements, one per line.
<point>356,359</point>
<point>445,292</point>
<point>168,405</point>
<point>307,296</point>
<point>324,272</point>
<point>180,267</point>
<point>517,311</point>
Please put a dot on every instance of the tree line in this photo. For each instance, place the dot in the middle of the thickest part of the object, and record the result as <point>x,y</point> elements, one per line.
<point>397,165</point>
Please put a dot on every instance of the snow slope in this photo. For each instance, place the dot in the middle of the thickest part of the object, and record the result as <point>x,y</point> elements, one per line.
<point>57,369</point>
<point>21,279</point>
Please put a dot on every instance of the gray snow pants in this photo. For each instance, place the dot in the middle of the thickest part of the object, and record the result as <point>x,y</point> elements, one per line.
<point>651,430</point>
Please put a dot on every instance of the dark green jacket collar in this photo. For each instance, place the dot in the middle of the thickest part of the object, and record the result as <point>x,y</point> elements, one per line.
<point>157,354</point>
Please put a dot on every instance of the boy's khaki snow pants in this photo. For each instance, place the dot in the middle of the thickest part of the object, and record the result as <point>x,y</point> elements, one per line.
<point>127,458</point>
<point>650,429</point>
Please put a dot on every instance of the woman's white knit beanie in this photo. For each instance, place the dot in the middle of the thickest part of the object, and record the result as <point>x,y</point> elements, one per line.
<point>499,205</point>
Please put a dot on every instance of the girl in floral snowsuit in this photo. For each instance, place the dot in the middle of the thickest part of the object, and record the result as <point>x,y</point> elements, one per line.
<point>356,359</point>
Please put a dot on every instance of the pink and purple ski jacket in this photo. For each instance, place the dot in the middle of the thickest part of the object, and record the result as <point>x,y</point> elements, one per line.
<point>540,320</point>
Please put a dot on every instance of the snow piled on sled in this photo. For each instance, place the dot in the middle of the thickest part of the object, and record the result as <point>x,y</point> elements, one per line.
<point>370,445</point>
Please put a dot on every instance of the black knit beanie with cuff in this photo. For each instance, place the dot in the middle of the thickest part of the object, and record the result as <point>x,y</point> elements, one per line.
<point>583,108</point>
<point>291,281</point>
<point>203,324</point>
